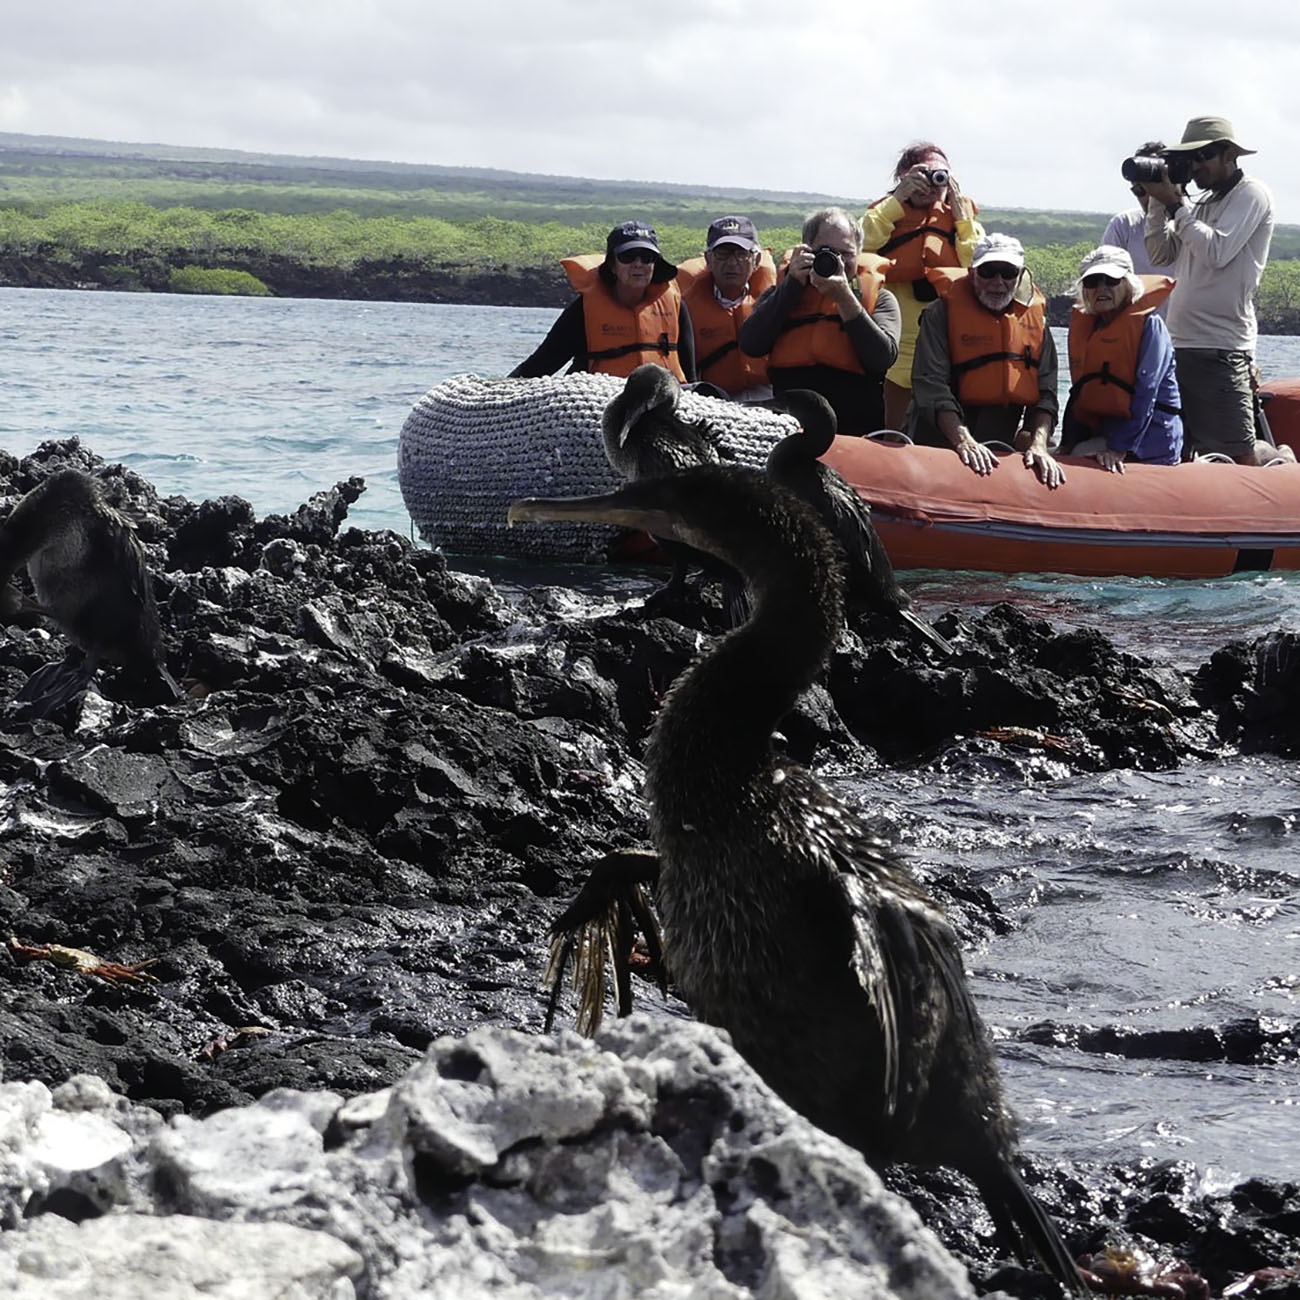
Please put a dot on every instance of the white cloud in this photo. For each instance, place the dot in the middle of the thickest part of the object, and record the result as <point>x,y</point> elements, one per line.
<point>1036,109</point>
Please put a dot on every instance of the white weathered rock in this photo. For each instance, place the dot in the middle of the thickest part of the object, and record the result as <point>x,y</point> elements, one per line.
<point>130,1256</point>
<point>651,1163</point>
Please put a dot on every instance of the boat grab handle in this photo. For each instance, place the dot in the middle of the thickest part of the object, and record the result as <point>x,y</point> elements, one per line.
<point>1277,460</point>
<point>998,445</point>
<point>1214,458</point>
<point>895,436</point>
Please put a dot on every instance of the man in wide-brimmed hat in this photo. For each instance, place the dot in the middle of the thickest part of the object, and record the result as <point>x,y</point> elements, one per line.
<point>1217,247</point>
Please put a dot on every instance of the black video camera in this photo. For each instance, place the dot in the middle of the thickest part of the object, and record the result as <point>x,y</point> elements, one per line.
<point>827,262</point>
<point>1142,169</point>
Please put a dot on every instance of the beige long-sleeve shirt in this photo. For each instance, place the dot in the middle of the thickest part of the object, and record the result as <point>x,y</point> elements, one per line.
<point>1218,248</point>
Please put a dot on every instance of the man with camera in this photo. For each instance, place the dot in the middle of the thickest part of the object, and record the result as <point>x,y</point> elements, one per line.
<point>1217,247</point>
<point>986,368</point>
<point>1127,229</point>
<point>829,324</point>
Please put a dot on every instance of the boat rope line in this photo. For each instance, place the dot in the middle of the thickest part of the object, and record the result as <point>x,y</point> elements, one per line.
<point>1244,542</point>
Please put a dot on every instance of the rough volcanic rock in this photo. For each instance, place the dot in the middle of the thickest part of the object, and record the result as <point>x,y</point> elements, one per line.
<point>350,838</point>
<point>1255,690</point>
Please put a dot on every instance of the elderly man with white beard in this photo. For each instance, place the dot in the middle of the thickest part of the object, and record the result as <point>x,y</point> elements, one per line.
<point>985,368</point>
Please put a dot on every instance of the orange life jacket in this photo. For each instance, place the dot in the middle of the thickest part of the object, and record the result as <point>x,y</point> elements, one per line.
<point>621,338</point>
<point>1104,357</point>
<point>921,238</point>
<point>718,357</point>
<point>813,333</point>
<point>994,357</point>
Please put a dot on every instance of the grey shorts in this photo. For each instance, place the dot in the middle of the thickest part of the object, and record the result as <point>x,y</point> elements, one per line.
<point>1218,405</point>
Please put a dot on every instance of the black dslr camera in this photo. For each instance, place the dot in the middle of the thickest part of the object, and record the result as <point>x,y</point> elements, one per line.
<point>1140,170</point>
<point>827,262</point>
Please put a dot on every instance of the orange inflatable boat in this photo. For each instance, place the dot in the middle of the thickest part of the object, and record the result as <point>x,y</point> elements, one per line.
<point>1195,520</point>
<point>1281,398</point>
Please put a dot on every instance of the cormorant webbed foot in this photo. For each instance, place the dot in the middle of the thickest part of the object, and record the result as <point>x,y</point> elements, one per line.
<point>927,633</point>
<point>598,929</point>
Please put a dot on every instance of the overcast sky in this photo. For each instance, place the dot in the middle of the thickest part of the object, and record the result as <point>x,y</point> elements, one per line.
<point>1035,105</point>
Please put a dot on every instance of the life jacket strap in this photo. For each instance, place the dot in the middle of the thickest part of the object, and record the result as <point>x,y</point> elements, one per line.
<point>1025,358</point>
<point>917,232</point>
<point>712,359</point>
<point>625,349</point>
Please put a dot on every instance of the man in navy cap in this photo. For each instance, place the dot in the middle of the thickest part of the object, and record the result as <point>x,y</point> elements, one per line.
<point>1218,247</point>
<point>720,290</point>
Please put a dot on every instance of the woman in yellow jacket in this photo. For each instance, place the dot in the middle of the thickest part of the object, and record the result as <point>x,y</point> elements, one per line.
<point>926,221</point>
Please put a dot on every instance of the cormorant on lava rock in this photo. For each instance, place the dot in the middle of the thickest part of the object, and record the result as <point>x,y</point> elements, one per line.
<point>90,578</point>
<point>785,920</point>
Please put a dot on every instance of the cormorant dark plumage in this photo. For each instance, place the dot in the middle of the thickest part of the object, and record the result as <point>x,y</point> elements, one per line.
<point>645,436</point>
<point>785,920</point>
<point>88,571</point>
<point>793,462</point>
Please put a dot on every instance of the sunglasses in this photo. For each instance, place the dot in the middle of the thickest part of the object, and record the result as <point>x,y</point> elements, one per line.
<point>730,253</point>
<point>630,255</point>
<point>1207,151</point>
<point>1096,281</point>
<point>997,271</point>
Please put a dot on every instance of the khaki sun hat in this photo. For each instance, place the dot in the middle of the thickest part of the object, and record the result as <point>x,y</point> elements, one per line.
<point>1206,130</point>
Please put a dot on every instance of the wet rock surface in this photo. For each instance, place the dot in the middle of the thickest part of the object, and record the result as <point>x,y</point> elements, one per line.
<point>350,838</point>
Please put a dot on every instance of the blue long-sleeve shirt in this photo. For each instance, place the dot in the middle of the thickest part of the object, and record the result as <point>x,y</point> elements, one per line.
<point>1149,433</point>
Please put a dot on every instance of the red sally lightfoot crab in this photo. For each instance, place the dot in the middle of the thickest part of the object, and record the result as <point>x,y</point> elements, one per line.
<point>1130,1270</point>
<point>83,962</point>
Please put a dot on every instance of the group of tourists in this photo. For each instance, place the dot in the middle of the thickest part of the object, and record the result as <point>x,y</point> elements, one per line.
<point>917,319</point>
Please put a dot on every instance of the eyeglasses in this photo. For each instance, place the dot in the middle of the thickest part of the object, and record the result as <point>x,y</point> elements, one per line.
<point>731,253</point>
<point>1208,151</point>
<point>997,271</point>
<point>1096,281</point>
<point>630,255</point>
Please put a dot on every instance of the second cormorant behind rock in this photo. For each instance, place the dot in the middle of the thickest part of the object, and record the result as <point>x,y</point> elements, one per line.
<point>871,586</point>
<point>89,575</point>
<point>644,435</point>
<point>785,920</point>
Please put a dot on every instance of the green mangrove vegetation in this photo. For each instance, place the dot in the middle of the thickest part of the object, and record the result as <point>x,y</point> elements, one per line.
<point>93,214</point>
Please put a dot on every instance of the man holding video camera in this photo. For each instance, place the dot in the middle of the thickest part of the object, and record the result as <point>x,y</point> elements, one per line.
<point>829,324</point>
<point>1218,247</point>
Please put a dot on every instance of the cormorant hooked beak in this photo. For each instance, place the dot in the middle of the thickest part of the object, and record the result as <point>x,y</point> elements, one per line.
<point>620,508</point>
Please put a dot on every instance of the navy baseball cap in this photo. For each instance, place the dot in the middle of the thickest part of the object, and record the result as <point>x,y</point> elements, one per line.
<point>733,230</point>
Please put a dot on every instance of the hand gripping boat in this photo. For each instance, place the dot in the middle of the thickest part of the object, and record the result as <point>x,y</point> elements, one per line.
<point>470,446</point>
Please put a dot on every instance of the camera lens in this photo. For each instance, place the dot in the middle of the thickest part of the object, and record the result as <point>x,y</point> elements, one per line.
<point>826,262</point>
<point>938,176</point>
<point>1138,171</point>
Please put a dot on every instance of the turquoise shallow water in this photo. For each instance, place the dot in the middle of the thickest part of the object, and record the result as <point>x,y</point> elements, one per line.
<point>273,399</point>
<point>1148,900</point>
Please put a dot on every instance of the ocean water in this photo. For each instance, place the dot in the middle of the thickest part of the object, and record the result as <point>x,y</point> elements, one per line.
<point>1142,901</point>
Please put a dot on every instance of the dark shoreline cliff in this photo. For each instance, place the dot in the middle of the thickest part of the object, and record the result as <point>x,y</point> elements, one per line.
<point>390,280</point>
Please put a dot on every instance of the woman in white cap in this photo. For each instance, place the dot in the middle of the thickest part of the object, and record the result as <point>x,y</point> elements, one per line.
<point>1124,402</point>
